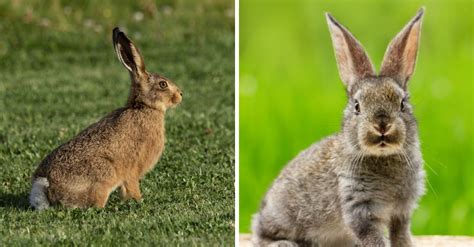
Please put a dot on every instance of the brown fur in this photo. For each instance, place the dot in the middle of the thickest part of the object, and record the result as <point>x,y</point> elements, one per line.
<point>118,150</point>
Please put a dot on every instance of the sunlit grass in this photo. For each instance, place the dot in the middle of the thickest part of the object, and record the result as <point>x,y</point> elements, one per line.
<point>59,73</point>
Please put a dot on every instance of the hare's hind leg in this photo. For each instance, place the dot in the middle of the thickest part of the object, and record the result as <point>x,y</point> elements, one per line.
<point>99,193</point>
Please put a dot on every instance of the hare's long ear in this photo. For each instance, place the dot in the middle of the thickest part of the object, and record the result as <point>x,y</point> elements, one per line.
<point>400,57</point>
<point>352,61</point>
<point>128,53</point>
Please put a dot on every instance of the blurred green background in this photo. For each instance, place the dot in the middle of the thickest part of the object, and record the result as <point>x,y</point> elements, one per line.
<point>59,73</point>
<point>291,94</point>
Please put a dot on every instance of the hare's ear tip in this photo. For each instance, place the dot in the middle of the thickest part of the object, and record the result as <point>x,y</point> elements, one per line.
<point>115,34</point>
<point>116,31</point>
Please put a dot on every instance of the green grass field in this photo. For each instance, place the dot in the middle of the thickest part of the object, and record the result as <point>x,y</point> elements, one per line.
<point>59,73</point>
<point>291,94</point>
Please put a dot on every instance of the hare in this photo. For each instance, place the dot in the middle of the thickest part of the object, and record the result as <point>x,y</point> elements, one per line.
<point>114,152</point>
<point>351,188</point>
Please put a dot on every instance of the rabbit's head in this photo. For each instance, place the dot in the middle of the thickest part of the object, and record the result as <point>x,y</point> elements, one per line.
<point>378,119</point>
<point>147,88</point>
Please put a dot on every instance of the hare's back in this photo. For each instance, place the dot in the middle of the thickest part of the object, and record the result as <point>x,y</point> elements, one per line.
<point>77,156</point>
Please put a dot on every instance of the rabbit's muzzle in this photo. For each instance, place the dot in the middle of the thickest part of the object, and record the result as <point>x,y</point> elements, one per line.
<point>383,137</point>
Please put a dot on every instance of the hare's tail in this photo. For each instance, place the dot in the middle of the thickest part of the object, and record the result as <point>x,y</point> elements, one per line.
<point>38,198</point>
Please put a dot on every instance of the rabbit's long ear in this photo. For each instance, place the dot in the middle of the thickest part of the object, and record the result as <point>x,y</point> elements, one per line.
<point>128,53</point>
<point>400,57</point>
<point>352,61</point>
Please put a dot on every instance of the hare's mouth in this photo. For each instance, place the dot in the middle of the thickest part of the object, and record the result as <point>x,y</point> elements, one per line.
<point>176,99</point>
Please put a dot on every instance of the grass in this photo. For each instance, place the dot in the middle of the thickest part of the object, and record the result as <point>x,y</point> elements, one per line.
<point>59,73</point>
<point>291,95</point>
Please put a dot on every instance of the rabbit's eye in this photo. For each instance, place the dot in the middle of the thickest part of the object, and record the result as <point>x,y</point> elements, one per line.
<point>357,107</point>
<point>163,84</point>
<point>402,105</point>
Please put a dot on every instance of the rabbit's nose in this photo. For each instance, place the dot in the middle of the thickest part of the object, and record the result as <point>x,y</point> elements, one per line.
<point>382,127</point>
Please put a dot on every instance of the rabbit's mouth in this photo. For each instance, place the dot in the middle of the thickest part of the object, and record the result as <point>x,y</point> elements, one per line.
<point>381,140</point>
<point>382,144</point>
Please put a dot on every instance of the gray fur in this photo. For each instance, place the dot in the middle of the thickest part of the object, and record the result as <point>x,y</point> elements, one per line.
<point>351,188</point>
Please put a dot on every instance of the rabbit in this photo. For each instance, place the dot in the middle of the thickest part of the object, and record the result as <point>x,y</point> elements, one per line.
<point>116,151</point>
<point>353,187</point>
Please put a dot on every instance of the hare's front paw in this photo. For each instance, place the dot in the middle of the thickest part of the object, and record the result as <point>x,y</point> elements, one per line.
<point>130,190</point>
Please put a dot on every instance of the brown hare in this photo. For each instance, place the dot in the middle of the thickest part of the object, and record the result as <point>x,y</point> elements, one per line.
<point>116,151</point>
<point>351,188</point>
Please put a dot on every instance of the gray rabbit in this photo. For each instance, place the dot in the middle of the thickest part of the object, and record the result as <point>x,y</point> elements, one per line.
<point>351,188</point>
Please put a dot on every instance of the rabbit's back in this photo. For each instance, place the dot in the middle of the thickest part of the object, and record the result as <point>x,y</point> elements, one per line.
<point>304,195</point>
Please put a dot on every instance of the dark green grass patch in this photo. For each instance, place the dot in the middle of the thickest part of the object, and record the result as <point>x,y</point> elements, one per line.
<point>59,73</point>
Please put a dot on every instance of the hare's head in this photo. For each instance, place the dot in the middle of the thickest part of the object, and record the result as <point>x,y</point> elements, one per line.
<point>378,119</point>
<point>147,88</point>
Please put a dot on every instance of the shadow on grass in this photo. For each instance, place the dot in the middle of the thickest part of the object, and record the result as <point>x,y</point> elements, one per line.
<point>18,201</point>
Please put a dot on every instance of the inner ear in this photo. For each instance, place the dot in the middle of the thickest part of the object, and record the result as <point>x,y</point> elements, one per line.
<point>128,53</point>
<point>400,58</point>
<point>352,61</point>
<point>124,57</point>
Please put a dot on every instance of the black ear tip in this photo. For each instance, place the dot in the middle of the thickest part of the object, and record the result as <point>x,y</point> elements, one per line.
<point>115,34</point>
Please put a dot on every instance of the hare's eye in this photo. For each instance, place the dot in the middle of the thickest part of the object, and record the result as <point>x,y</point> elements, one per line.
<point>163,84</point>
<point>357,106</point>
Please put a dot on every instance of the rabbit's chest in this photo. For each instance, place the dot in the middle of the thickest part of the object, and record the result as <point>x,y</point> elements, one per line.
<point>389,183</point>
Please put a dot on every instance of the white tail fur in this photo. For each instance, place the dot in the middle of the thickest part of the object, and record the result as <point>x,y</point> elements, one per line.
<point>38,198</point>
